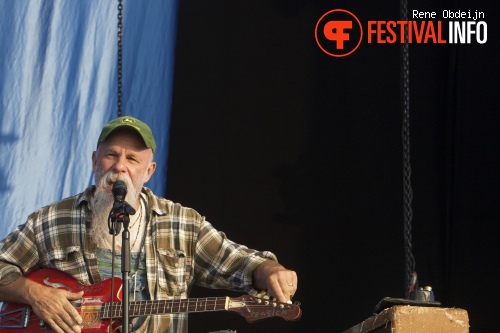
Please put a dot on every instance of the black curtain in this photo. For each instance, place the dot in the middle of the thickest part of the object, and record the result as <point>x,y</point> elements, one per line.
<point>287,149</point>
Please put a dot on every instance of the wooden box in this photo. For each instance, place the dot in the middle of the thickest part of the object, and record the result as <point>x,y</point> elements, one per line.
<point>415,319</point>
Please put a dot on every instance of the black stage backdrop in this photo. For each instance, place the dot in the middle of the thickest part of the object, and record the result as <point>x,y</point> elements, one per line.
<point>285,148</point>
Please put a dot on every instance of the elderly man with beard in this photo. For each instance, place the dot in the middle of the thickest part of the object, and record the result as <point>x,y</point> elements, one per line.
<point>171,246</point>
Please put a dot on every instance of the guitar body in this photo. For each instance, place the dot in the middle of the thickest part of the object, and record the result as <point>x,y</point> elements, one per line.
<point>89,307</point>
<point>97,306</point>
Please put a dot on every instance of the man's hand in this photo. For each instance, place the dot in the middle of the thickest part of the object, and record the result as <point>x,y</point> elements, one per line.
<point>279,282</point>
<point>49,304</point>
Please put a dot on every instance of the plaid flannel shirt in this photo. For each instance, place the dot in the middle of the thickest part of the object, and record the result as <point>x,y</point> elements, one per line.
<point>181,248</point>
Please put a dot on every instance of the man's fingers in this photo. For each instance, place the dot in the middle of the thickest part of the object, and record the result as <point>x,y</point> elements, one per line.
<point>73,315</point>
<point>55,327</point>
<point>288,284</point>
<point>74,296</point>
<point>63,323</point>
<point>292,287</point>
<point>279,282</point>
<point>67,323</point>
<point>277,291</point>
<point>54,307</point>
<point>282,291</point>
<point>71,309</point>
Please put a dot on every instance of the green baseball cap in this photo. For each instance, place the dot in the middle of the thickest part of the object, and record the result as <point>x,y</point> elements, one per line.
<point>130,123</point>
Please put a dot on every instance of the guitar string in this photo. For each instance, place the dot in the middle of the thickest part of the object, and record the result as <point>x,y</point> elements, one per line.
<point>207,302</point>
<point>190,303</point>
<point>170,304</point>
<point>152,307</point>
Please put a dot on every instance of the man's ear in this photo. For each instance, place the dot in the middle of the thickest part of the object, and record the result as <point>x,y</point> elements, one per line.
<point>151,170</point>
<point>94,160</point>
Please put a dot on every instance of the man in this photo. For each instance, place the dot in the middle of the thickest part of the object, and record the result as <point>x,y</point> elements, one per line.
<point>172,246</point>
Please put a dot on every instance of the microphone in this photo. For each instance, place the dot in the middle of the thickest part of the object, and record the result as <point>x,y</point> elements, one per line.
<point>119,193</point>
<point>119,190</point>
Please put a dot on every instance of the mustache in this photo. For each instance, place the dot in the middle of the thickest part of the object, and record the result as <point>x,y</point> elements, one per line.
<point>104,196</point>
<point>110,177</point>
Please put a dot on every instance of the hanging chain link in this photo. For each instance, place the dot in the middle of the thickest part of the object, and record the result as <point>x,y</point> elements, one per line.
<point>411,275</point>
<point>119,66</point>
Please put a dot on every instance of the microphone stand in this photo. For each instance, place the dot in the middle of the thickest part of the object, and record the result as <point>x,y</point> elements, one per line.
<point>121,211</point>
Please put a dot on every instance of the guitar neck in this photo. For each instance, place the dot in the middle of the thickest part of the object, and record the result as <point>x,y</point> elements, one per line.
<point>146,308</point>
<point>96,305</point>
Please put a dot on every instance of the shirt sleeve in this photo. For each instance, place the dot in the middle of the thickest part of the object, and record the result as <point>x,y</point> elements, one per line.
<point>18,252</point>
<point>223,264</point>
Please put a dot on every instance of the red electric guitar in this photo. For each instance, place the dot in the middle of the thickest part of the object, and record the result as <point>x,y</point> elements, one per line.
<point>96,308</point>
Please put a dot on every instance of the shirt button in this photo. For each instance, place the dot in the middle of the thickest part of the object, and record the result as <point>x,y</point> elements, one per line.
<point>92,256</point>
<point>176,265</point>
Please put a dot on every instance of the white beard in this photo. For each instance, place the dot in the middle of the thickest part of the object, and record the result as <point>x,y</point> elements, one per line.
<point>101,205</point>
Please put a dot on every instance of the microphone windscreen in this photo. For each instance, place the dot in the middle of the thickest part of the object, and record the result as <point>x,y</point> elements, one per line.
<point>119,190</point>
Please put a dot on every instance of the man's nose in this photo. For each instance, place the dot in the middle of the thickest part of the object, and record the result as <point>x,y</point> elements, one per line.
<point>119,165</point>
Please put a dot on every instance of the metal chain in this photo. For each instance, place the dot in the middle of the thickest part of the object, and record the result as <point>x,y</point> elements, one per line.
<point>411,276</point>
<point>119,112</point>
<point>119,66</point>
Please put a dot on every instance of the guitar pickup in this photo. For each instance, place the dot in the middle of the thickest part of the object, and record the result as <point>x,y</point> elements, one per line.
<point>16,318</point>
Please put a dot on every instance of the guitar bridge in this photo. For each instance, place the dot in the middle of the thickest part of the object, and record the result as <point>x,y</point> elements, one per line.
<point>15,319</point>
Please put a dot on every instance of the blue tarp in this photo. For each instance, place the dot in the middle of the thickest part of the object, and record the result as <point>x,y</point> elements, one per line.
<point>58,87</point>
